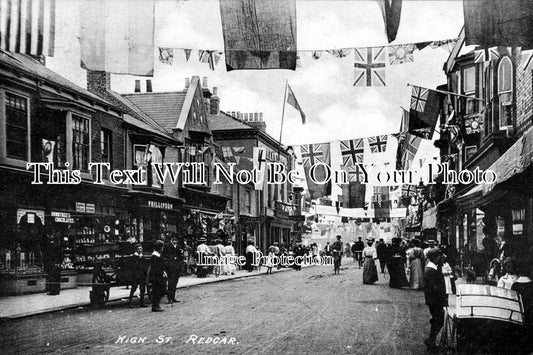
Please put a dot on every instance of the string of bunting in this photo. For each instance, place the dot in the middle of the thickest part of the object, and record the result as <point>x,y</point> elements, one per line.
<point>365,57</point>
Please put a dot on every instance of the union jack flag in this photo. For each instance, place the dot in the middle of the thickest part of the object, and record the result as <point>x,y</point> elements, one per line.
<point>352,151</point>
<point>369,66</point>
<point>355,173</point>
<point>412,143</point>
<point>378,144</point>
<point>455,134</point>
<point>312,154</point>
<point>419,98</point>
<point>408,190</point>
<point>485,55</point>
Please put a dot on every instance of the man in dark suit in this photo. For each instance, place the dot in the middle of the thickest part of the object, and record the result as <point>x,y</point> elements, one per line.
<point>358,250</point>
<point>138,277</point>
<point>157,276</point>
<point>435,295</point>
<point>173,256</point>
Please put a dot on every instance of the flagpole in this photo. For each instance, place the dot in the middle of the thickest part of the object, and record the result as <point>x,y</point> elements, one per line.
<point>449,93</point>
<point>283,110</point>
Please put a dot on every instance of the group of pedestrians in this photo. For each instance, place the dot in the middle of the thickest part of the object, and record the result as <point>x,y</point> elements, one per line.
<point>161,275</point>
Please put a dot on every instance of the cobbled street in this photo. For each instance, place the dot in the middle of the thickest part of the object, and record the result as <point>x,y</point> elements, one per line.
<point>308,311</point>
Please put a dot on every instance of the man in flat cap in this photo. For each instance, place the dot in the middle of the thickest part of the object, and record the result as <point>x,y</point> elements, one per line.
<point>435,295</point>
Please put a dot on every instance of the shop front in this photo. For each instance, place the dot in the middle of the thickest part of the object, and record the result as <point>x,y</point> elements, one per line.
<point>152,216</point>
<point>47,226</point>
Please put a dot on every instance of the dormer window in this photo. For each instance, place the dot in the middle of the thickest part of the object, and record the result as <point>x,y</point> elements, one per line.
<point>505,92</point>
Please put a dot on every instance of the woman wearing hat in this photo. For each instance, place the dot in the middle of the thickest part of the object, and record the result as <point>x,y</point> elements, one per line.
<point>396,265</point>
<point>370,272</point>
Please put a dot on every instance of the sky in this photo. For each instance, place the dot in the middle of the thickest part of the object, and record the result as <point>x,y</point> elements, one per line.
<point>335,109</point>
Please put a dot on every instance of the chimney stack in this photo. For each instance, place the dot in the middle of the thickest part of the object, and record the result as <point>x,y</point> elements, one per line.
<point>137,86</point>
<point>98,82</point>
<point>255,119</point>
<point>187,83</point>
<point>215,103</point>
<point>148,85</point>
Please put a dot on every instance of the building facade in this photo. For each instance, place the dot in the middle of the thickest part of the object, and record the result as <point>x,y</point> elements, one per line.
<point>488,127</point>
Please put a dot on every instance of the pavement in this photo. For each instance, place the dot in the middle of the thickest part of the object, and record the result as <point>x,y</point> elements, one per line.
<point>13,307</point>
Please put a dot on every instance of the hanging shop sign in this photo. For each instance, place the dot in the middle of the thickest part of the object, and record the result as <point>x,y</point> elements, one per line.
<point>89,208</point>
<point>30,216</point>
<point>80,207</point>
<point>62,217</point>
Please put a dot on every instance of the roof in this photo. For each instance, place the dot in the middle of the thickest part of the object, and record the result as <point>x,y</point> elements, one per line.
<point>162,107</point>
<point>224,122</point>
<point>137,113</point>
<point>35,68</point>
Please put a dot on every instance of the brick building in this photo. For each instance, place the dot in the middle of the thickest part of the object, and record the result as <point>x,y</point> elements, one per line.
<point>268,215</point>
<point>495,117</point>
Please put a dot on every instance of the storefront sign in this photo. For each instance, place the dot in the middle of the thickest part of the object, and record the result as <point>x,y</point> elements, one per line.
<point>62,217</point>
<point>89,208</point>
<point>30,215</point>
<point>164,205</point>
<point>80,207</point>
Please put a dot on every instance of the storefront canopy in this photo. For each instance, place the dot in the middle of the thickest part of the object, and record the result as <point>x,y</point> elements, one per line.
<point>514,161</point>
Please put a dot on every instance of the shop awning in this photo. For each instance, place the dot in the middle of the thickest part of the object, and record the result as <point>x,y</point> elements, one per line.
<point>470,199</point>
<point>514,161</point>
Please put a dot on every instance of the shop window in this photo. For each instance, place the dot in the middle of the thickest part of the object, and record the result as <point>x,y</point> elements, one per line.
<point>248,201</point>
<point>80,143</point>
<point>505,92</point>
<point>105,148</point>
<point>144,156</point>
<point>16,127</point>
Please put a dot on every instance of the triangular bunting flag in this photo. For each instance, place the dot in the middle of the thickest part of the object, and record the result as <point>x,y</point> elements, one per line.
<point>187,54</point>
<point>339,53</point>
<point>391,11</point>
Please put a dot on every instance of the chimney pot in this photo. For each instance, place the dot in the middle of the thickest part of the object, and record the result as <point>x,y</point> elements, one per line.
<point>239,115</point>
<point>148,85</point>
<point>187,83</point>
<point>261,116</point>
<point>204,82</point>
<point>215,90</point>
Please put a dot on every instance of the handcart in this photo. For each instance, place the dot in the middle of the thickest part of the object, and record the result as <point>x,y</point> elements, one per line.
<point>485,320</point>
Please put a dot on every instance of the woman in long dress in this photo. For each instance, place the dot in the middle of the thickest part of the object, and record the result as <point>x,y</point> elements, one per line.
<point>396,266</point>
<point>416,272</point>
<point>370,272</point>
